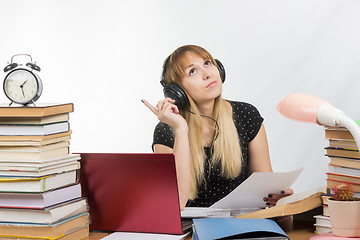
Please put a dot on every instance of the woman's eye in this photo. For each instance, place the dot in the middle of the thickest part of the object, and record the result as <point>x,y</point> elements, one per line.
<point>192,71</point>
<point>207,63</point>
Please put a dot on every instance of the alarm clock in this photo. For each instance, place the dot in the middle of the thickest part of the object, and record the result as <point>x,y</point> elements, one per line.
<point>21,84</point>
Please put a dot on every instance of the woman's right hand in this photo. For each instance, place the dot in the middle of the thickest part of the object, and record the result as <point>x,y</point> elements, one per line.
<point>167,112</point>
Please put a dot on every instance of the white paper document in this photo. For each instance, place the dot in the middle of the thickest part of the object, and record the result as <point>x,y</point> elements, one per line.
<point>143,236</point>
<point>205,212</point>
<point>250,193</point>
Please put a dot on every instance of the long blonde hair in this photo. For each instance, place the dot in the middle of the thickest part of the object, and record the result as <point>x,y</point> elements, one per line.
<point>227,150</point>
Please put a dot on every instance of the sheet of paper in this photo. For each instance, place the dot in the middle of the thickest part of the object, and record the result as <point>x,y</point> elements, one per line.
<point>143,236</point>
<point>250,193</point>
<point>196,212</point>
<point>205,212</point>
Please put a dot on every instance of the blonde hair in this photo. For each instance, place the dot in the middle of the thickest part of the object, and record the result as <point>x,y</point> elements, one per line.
<point>227,150</point>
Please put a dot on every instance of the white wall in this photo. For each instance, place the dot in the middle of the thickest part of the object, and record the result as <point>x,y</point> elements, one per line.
<point>104,56</point>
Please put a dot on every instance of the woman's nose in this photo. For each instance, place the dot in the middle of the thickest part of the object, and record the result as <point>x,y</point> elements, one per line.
<point>206,74</point>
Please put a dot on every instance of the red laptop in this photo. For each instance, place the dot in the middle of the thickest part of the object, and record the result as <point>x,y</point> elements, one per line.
<point>132,192</point>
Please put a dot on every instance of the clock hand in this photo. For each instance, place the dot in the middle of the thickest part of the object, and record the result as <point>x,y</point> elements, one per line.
<point>22,90</point>
<point>23,83</point>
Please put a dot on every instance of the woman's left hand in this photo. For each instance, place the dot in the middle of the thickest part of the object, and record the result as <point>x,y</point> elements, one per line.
<point>272,198</point>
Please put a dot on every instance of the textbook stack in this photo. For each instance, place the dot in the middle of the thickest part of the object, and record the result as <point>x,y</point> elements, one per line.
<point>344,167</point>
<point>40,196</point>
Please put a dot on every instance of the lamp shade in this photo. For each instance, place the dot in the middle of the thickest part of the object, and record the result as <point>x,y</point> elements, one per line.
<point>301,107</point>
<point>310,109</point>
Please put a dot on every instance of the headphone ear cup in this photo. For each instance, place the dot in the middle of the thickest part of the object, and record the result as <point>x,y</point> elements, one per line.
<point>175,92</point>
<point>33,66</point>
<point>221,70</point>
<point>164,70</point>
<point>10,66</point>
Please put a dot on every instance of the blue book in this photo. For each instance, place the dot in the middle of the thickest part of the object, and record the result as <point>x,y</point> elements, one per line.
<point>236,228</point>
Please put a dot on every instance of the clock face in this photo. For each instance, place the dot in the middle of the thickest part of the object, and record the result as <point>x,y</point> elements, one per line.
<point>21,86</point>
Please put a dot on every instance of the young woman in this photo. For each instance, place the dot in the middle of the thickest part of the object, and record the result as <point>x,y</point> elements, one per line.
<point>217,143</point>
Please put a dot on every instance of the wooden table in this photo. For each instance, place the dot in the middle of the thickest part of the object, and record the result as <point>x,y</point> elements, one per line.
<point>295,229</point>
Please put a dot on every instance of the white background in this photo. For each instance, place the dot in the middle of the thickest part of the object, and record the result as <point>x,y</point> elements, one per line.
<point>105,56</point>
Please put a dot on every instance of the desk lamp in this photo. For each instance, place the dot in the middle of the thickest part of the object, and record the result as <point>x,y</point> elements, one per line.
<point>310,109</point>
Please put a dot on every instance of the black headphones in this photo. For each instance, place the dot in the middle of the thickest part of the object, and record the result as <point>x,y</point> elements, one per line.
<point>175,91</point>
<point>13,65</point>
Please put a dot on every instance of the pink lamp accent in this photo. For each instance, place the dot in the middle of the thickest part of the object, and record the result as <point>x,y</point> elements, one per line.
<point>301,107</point>
<point>309,109</point>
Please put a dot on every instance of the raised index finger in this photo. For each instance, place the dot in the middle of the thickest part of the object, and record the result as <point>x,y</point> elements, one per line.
<point>151,107</point>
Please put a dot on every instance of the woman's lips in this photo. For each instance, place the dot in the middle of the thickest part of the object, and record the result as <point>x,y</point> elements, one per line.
<point>212,84</point>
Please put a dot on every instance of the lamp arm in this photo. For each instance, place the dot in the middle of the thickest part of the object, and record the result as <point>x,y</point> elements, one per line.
<point>329,115</point>
<point>353,128</point>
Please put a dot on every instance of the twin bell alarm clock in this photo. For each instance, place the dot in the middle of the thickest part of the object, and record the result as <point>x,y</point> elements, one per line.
<point>21,84</point>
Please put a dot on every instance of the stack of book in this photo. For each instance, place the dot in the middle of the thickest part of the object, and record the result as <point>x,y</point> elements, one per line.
<point>344,167</point>
<point>40,195</point>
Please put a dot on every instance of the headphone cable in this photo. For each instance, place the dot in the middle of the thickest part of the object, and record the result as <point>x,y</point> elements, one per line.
<point>217,128</point>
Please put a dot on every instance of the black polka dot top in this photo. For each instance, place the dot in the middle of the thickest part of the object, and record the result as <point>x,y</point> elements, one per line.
<point>248,121</point>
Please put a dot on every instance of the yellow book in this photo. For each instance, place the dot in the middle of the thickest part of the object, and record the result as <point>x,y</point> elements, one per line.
<point>38,184</point>
<point>76,235</point>
<point>45,231</point>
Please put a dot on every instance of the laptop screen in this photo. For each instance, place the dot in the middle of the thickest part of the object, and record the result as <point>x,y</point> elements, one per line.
<point>134,192</point>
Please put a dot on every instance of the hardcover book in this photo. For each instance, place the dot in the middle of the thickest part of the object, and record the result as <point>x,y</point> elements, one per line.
<point>40,110</point>
<point>34,138</point>
<point>50,170</point>
<point>48,215</point>
<point>345,162</point>
<point>64,117</point>
<point>339,152</point>
<point>39,200</point>
<point>34,130</point>
<point>339,133</point>
<point>37,184</point>
<point>44,231</point>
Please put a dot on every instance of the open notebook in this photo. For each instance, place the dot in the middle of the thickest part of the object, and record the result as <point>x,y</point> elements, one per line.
<point>132,192</point>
